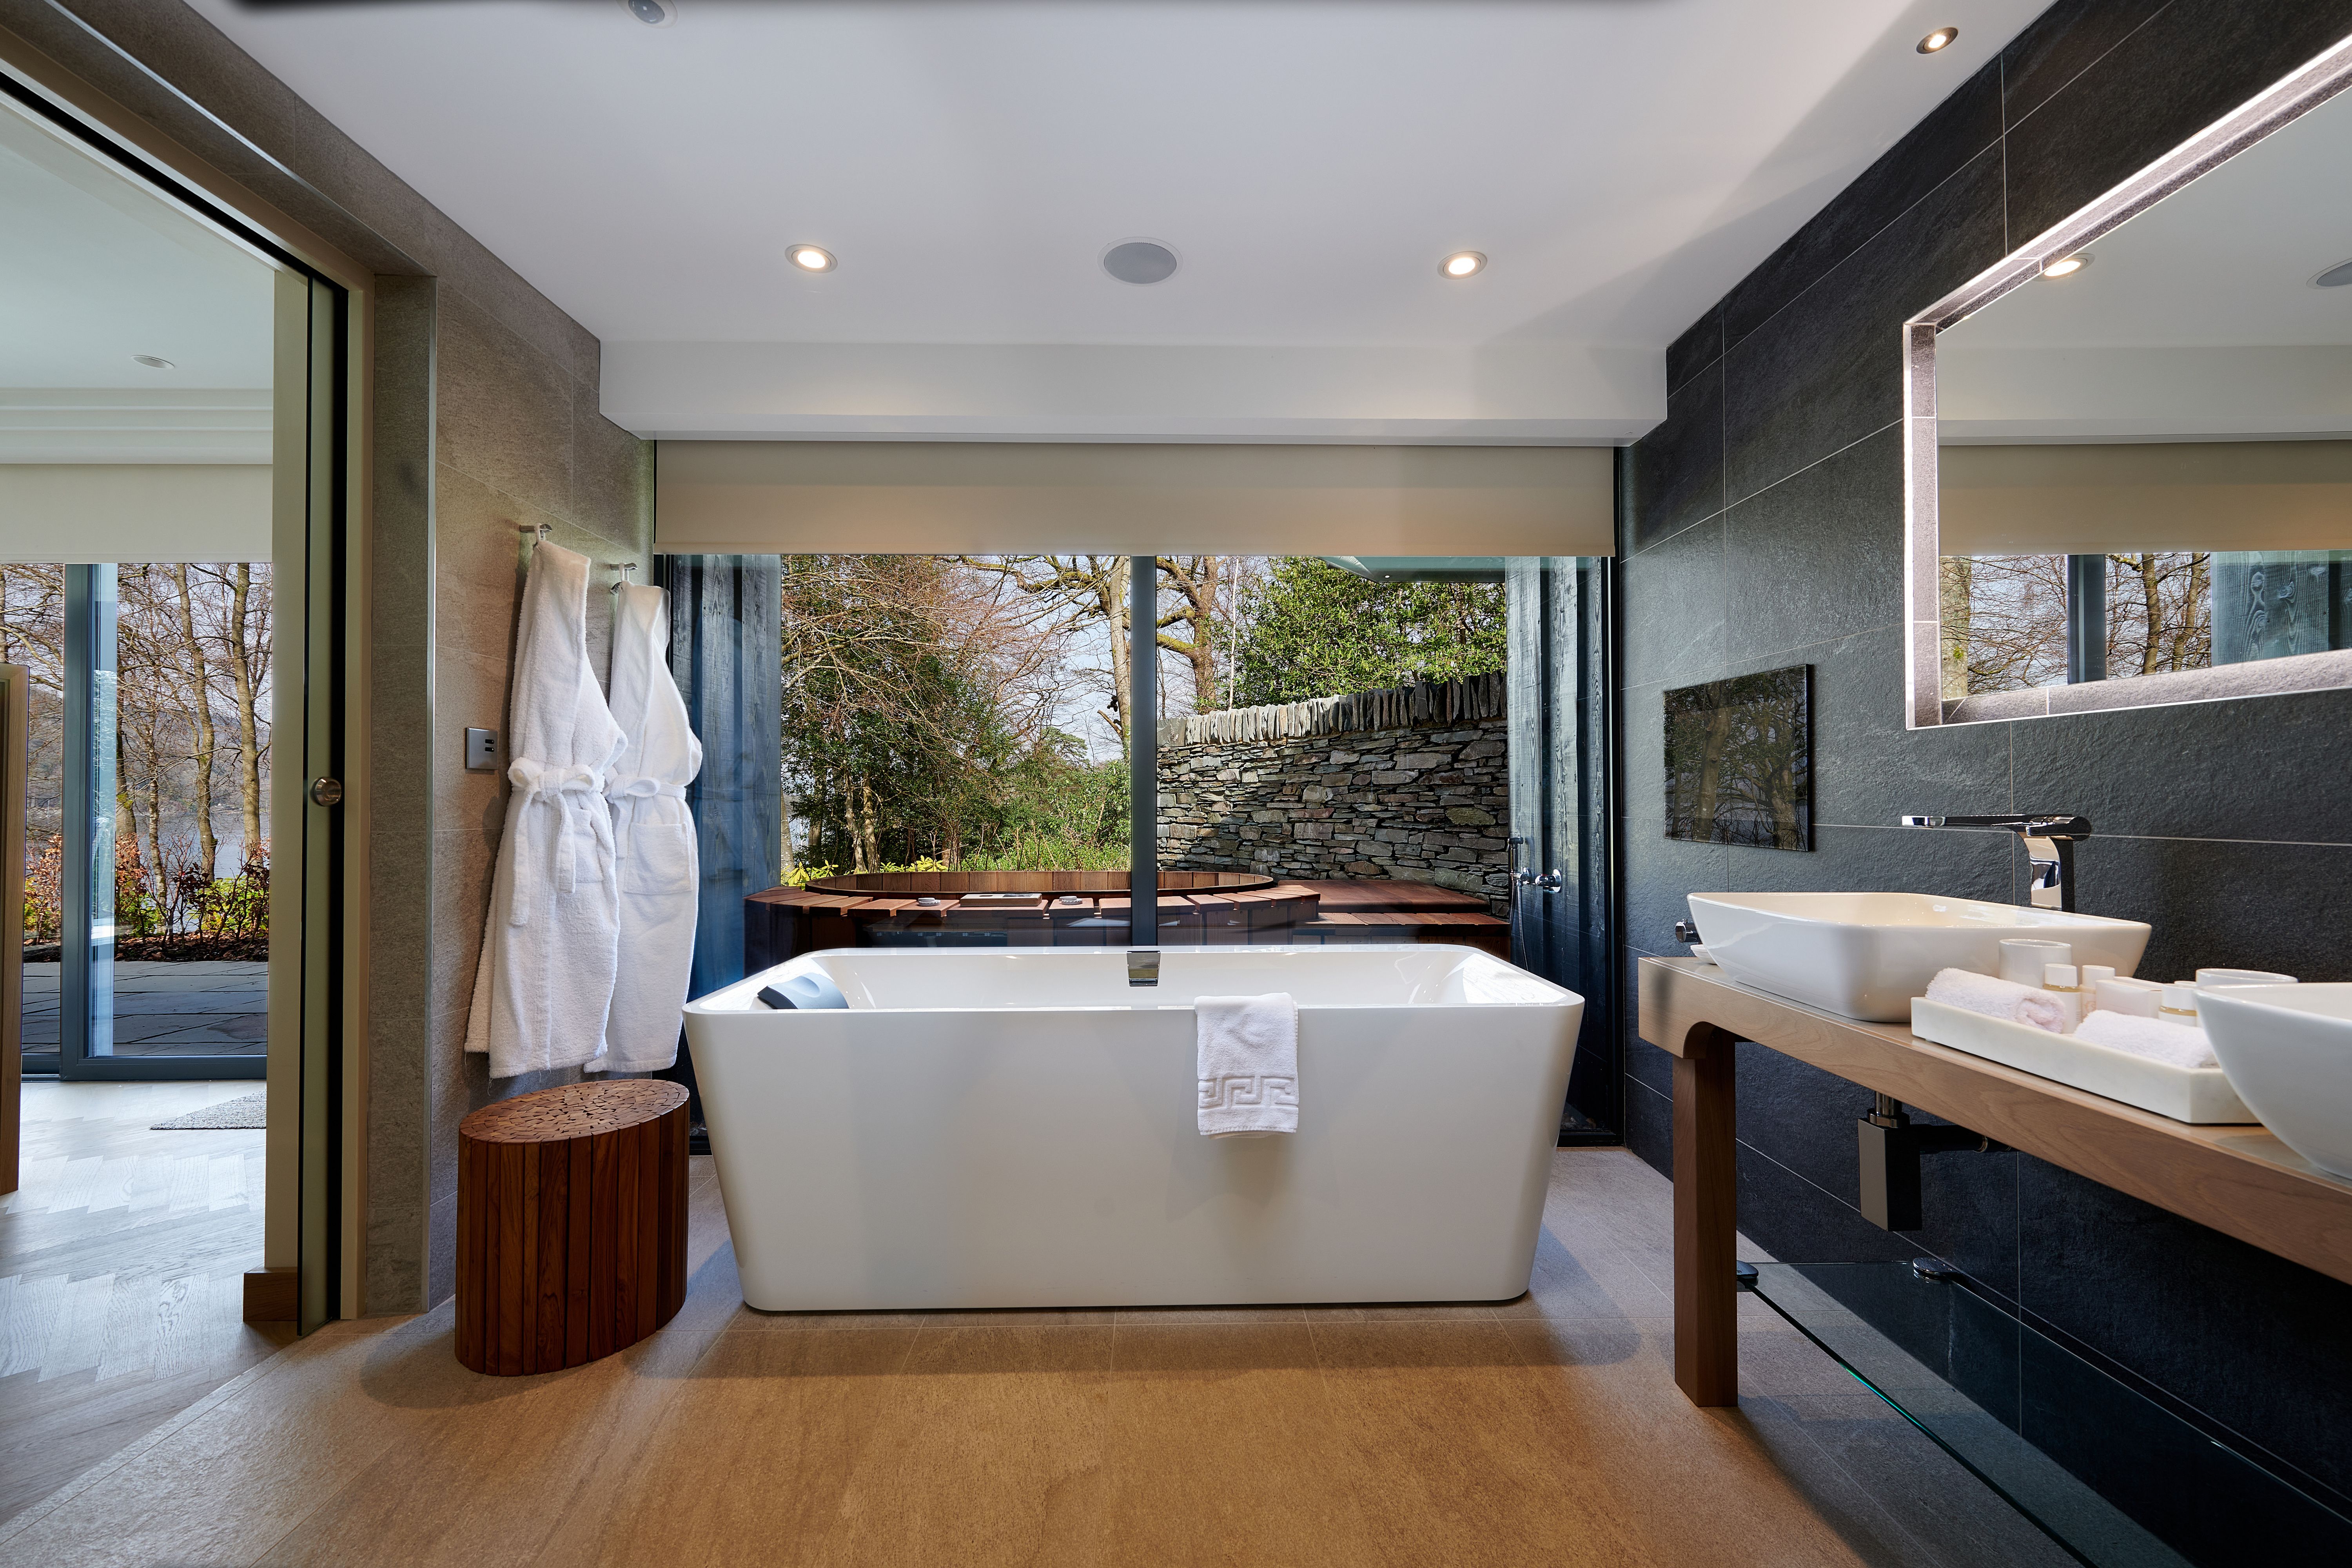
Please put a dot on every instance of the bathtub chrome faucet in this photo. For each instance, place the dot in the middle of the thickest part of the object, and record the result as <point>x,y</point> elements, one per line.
<point>1143,966</point>
<point>2049,846</point>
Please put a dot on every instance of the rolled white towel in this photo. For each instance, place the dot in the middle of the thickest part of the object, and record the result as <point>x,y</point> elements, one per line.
<point>2152,1037</point>
<point>1997,998</point>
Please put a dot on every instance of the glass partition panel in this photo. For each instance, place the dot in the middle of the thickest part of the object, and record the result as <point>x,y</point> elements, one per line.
<point>2105,1469</point>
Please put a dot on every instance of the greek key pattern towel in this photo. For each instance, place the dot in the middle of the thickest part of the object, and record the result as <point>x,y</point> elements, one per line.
<point>1248,1051</point>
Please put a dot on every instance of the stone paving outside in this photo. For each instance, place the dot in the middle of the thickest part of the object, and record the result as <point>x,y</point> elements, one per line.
<point>210,1009</point>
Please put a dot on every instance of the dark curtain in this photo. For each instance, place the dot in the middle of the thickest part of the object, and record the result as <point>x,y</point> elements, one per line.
<point>725,650</point>
<point>1563,904</point>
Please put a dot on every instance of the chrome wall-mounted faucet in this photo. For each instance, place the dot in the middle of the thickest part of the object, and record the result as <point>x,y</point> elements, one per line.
<point>2049,846</point>
<point>1527,876</point>
<point>1143,966</point>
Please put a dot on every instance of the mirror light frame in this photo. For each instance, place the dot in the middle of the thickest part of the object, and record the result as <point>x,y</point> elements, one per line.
<point>2290,99</point>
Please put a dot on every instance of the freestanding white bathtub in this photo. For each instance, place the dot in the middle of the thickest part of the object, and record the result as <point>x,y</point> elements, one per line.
<point>1015,1128</point>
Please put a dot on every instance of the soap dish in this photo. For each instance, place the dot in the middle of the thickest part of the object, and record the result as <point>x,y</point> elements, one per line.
<point>2201,1095</point>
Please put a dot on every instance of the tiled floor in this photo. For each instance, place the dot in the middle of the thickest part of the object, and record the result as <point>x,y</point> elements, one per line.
<point>121,1258</point>
<point>1544,1431</point>
<point>212,1007</point>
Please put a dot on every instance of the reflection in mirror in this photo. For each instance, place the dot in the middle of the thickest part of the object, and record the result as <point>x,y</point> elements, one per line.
<point>2144,460</point>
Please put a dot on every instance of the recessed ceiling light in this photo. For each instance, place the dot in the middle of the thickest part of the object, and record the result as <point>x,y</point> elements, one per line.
<point>652,13</point>
<point>1462,264</point>
<point>2335,277</point>
<point>153,361</point>
<point>1941,39</point>
<point>2066,266</point>
<point>1139,261</point>
<point>812,258</point>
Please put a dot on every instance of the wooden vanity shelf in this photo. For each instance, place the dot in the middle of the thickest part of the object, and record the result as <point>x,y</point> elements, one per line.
<point>2238,1180</point>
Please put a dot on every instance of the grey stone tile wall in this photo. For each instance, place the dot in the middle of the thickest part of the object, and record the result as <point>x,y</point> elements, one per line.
<point>1763,527</point>
<point>486,423</point>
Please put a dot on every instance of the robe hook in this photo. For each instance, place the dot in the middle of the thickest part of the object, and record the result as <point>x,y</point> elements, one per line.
<point>627,570</point>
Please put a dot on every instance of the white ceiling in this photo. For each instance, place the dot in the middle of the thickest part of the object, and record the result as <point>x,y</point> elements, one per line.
<point>2198,318</point>
<point>95,270</point>
<point>1622,162</point>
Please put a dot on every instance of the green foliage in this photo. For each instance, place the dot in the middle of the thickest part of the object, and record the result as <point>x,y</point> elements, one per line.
<point>909,734</point>
<point>1055,814</point>
<point>1310,629</point>
<point>136,912</point>
<point>233,906</point>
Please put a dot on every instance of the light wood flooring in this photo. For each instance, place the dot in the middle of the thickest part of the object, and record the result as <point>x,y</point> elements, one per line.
<point>1544,1431</point>
<point>121,1258</point>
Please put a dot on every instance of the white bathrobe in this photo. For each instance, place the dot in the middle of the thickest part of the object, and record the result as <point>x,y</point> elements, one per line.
<point>551,945</point>
<point>653,839</point>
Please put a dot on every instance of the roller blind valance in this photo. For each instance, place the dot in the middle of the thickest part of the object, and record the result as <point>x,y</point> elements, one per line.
<point>80,512</point>
<point>733,498</point>
<point>2125,496</point>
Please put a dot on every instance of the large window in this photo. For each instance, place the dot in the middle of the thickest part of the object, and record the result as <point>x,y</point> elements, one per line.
<point>1344,750</point>
<point>147,820</point>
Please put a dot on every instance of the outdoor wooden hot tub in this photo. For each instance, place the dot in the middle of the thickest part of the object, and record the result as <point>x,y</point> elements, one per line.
<point>940,884</point>
<point>1090,909</point>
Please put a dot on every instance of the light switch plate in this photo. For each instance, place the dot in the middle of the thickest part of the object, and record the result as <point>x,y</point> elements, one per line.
<point>482,751</point>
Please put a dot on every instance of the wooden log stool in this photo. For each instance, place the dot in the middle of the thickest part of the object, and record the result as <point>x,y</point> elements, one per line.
<point>571,1223</point>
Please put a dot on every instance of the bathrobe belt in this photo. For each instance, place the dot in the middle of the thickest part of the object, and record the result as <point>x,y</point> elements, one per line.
<point>547,784</point>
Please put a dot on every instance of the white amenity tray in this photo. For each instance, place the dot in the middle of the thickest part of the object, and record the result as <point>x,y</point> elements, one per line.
<point>2183,1094</point>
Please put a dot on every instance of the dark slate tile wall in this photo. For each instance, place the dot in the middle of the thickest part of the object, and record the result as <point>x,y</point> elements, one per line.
<point>1762,527</point>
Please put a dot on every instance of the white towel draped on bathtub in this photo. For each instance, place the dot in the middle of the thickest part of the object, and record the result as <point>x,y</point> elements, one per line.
<point>1248,1052</point>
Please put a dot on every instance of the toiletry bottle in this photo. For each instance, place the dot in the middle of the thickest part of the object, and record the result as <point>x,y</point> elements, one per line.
<point>2092,975</point>
<point>2178,1004</point>
<point>2059,980</point>
<point>2023,958</point>
<point>2136,997</point>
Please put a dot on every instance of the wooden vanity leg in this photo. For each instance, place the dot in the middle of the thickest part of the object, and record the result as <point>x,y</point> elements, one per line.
<point>1707,1204</point>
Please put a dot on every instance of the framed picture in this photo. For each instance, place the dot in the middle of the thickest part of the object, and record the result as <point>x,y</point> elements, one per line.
<point>1739,760</point>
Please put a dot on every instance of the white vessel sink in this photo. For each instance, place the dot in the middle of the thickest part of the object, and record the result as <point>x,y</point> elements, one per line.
<point>2287,1050</point>
<point>1865,955</point>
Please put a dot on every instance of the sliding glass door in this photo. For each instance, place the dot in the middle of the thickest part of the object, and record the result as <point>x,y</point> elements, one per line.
<point>147,930</point>
<point>175,492</point>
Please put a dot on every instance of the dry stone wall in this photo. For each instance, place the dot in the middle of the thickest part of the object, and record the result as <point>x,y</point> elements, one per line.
<point>1411,782</point>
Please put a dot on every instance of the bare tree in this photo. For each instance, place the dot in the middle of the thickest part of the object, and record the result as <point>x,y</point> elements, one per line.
<point>249,657</point>
<point>2016,621</point>
<point>1196,586</point>
<point>201,712</point>
<point>2159,612</point>
<point>2005,618</point>
<point>1194,600</point>
<point>1067,594</point>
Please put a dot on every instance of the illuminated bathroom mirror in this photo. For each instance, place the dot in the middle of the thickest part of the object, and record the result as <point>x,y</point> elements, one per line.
<point>2142,438</point>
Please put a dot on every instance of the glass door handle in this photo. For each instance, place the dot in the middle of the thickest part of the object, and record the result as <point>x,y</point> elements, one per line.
<point>326,792</point>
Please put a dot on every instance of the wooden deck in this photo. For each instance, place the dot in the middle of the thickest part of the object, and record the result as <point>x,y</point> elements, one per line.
<point>784,921</point>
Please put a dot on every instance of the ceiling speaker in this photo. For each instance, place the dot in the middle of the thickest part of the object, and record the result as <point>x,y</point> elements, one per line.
<point>1138,261</point>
